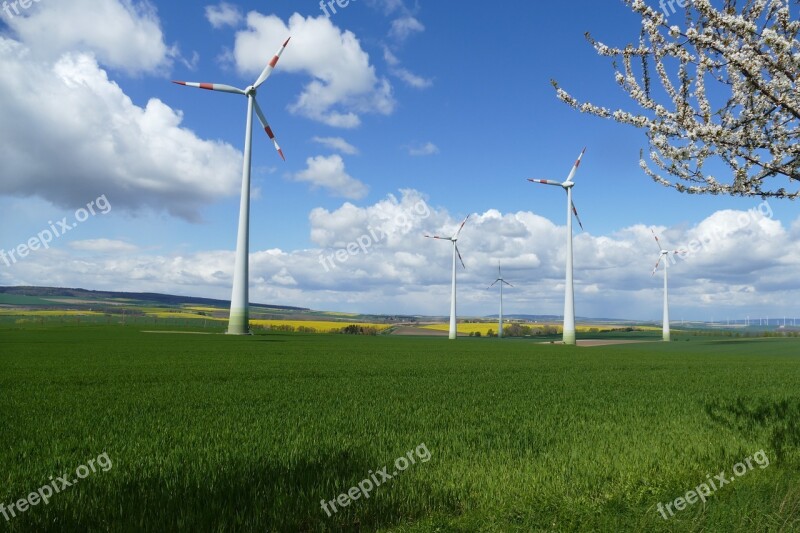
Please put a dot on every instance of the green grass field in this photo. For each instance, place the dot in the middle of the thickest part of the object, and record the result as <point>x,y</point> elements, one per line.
<point>217,433</point>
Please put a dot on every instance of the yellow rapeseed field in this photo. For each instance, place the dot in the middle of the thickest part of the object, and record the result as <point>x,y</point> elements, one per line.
<point>483,328</point>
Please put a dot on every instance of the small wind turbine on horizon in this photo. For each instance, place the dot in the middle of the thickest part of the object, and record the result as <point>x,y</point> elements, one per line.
<point>454,240</point>
<point>502,282</point>
<point>239,318</point>
<point>665,255</point>
<point>569,290</point>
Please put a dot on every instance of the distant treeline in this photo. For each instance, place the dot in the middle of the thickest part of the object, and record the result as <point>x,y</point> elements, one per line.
<point>521,330</point>
<point>352,329</point>
<point>745,334</point>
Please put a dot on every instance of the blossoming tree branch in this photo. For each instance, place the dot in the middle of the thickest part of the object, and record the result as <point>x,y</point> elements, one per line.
<point>728,91</point>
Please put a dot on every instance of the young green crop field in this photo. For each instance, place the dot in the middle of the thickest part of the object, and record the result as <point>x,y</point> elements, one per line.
<point>217,433</point>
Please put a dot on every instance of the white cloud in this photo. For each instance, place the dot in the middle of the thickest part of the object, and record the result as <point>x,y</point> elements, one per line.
<point>79,136</point>
<point>423,150</point>
<point>337,143</point>
<point>403,27</point>
<point>411,79</point>
<point>329,173</point>
<point>103,245</point>
<point>224,14</point>
<point>389,57</point>
<point>400,271</point>
<point>122,34</point>
<point>344,85</point>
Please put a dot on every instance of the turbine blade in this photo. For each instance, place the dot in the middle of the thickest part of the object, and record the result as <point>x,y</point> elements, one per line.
<point>271,66</point>
<point>546,182</point>
<point>265,124</point>
<point>576,165</point>
<point>657,263</point>
<point>507,283</point>
<point>211,87</point>
<point>493,284</point>
<point>661,248</point>
<point>460,228</point>
<point>575,212</point>
<point>437,237</point>
<point>459,256</point>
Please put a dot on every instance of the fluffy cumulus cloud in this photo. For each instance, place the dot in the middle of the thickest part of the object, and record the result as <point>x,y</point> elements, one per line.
<point>223,14</point>
<point>329,173</point>
<point>375,258</point>
<point>404,27</point>
<point>122,34</point>
<point>338,144</point>
<point>79,136</point>
<point>343,86</point>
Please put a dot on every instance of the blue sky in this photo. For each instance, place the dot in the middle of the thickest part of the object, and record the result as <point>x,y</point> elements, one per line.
<point>446,103</point>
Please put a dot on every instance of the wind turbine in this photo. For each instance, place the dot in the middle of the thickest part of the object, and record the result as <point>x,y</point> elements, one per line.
<point>239,319</point>
<point>454,240</point>
<point>569,291</point>
<point>502,282</point>
<point>665,255</point>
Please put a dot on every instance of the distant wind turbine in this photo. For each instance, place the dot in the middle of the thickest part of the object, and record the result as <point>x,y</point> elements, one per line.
<point>665,255</point>
<point>239,319</point>
<point>569,291</point>
<point>454,240</point>
<point>502,282</point>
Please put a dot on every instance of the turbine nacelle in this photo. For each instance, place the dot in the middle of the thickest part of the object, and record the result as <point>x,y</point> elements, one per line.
<point>663,253</point>
<point>250,92</point>
<point>566,185</point>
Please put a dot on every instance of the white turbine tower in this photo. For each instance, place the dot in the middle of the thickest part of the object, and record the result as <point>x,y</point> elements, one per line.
<point>569,291</point>
<point>454,240</point>
<point>665,255</point>
<point>502,282</point>
<point>239,319</point>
